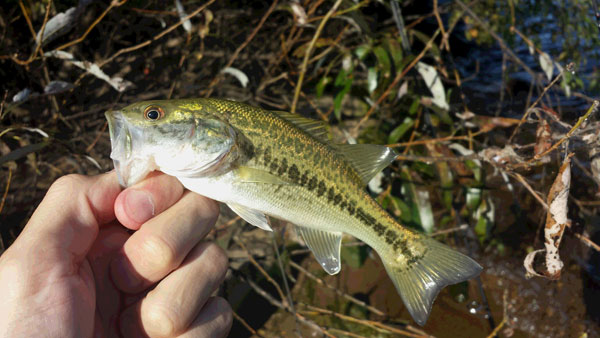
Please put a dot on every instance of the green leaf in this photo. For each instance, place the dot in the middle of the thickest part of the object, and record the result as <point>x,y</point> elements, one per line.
<point>340,78</point>
<point>473,198</point>
<point>424,38</point>
<point>362,51</point>
<point>423,168</point>
<point>18,153</point>
<point>371,80</point>
<point>446,182</point>
<point>385,202</point>
<point>383,61</point>
<point>414,106</point>
<point>421,209</point>
<point>337,102</point>
<point>481,229</point>
<point>322,84</point>
<point>400,130</point>
<point>354,256</point>
<point>485,219</point>
<point>425,211</point>
<point>395,49</point>
<point>476,168</point>
<point>403,208</point>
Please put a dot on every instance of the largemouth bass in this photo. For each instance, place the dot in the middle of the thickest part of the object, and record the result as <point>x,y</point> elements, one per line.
<point>268,163</point>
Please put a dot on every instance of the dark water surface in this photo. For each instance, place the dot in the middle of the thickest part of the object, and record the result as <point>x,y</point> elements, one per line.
<point>483,67</point>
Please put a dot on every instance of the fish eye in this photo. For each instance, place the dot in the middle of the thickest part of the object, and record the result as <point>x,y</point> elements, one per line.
<point>153,113</point>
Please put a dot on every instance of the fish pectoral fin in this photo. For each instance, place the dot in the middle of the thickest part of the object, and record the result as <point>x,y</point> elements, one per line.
<point>251,216</point>
<point>318,129</point>
<point>420,281</point>
<point>325,246</point>
<point>254,175</point>
<point>367,159</point>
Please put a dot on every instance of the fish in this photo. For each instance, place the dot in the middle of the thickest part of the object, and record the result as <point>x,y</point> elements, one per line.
<point>264,163</point>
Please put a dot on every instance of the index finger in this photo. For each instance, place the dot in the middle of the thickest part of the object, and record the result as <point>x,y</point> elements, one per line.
<point>70,214</point>
<point>142,201</point>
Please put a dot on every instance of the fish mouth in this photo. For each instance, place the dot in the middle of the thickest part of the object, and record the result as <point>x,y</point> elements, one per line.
<point>127,141</point>
<point>120,140</point>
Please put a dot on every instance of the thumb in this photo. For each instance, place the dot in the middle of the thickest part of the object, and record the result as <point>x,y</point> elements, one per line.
<point>70,214</point>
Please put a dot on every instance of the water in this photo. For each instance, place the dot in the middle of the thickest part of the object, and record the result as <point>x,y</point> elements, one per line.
<point>562,44</point>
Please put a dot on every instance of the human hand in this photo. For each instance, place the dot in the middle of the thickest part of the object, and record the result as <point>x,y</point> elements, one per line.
<point>75,270</point>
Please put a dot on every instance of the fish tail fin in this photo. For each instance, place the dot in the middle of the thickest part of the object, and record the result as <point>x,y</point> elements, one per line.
<point>419,283</point>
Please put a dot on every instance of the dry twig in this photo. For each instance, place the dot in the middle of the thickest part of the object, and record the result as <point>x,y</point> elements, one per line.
<point>156,37</point>
<point>284,299</point>
<point>304,65</point>
<point>112,5</point>
<point>593,109</point>
<point>588,242</point>
<point>245,324</point>
<point>321,282</point>
<point>380,327</point>
<point>6,189</point>
<point>497,329</point>
<point>280,305</point>
<point>535,103</point>
<point>233,57</point>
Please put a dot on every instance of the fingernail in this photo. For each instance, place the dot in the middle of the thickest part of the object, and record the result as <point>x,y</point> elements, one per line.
<point>123,275</point>
<point>139,204</point>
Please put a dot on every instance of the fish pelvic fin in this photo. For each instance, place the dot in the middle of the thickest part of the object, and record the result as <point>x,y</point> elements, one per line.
<point>325,246</point>
<point>419,283</point>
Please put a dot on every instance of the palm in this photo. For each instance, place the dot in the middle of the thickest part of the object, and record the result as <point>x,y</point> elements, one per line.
<point>109,301</point>
<point>83,296</point>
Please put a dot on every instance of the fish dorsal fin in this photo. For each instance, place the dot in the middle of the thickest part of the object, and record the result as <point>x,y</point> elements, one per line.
<point>325,246</point>
<point>318,129</point>
<point>367,159</point>
<point>254,175</point>
<point>251,216</point>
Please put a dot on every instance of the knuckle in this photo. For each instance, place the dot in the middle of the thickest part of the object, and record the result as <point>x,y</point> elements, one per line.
<point>213,208</point>
<point>207,210</point>
<point>66,183</point>
<point>160,321</point>
<point>157,254</point>
<point>219,259</point>
<point>225,315</point>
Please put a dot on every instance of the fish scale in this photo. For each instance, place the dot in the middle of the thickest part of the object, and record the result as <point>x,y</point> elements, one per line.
<point>327,163</point>
<point>265,163</point>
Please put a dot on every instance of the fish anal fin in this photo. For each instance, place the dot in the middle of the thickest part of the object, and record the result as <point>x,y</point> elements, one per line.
<point>420,282</point>
<point>318,129</point>
<point>254,175</point>
<point>251,216</point>
<point>367,159</point>
<point>325,246</point>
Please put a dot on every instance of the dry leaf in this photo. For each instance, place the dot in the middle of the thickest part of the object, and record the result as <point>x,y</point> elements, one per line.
<point>547,65</point>
<point>543,142</point>
<point>506,155</point>
<point>556,221</point>
<point>116,82</point>
<point>299,13</point>
<point>187,24</point>
<point>434,83</point>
